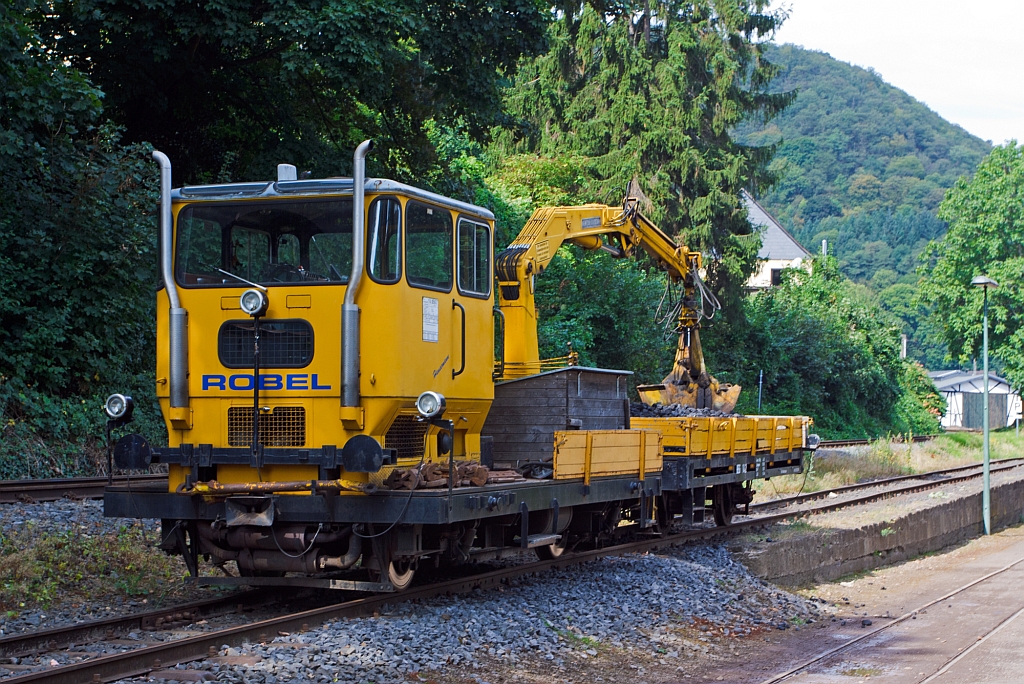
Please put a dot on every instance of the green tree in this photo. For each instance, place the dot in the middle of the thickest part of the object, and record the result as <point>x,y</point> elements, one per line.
<point>650,92</point>
<point>827,350</point>
<point>77,257</point>
<point>241,85</point>
<point>986,237</point>
<point>606,310</point>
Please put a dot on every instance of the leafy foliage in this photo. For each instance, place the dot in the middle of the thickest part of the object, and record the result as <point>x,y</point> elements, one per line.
<point>77,254</point>
<point>827,351</point>
<point>986,237</point>
<point>605,309</point>
<point>629,93</point>
<point>851,145</point>
<point>240,86</point>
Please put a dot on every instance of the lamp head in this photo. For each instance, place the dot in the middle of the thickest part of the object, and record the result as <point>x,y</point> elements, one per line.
<point>431,405</point>
<point>984,281</point>
<point>254,303</point>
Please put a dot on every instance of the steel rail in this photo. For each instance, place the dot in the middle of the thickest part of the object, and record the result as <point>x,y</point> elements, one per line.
<point>835,443</point>
<point>55,638</point>
<point>28,491</point>
<point>821,494</point>
<point>906,616</point>
<point>140,661</point>
<point>116,666</point>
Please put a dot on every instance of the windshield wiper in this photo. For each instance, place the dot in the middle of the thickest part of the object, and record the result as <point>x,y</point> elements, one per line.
<point>239,278</point>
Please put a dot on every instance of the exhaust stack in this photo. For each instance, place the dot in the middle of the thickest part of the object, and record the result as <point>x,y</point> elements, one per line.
<point>349,309</point>
<point>178,317</point>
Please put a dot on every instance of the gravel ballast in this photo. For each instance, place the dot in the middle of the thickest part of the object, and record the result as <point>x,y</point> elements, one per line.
<point>671,607</point>
<point>640,410</point>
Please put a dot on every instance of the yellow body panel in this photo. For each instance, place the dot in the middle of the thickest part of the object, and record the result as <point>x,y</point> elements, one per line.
<point>397,363</point>
<point>599,453</point>
<point>705,437</point>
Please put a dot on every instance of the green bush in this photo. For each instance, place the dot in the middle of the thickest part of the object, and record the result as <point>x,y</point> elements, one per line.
<point>77,261</point>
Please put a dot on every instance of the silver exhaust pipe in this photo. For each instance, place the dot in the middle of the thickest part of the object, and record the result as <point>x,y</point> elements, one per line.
<point>178,317</point>
<point>349,309</point>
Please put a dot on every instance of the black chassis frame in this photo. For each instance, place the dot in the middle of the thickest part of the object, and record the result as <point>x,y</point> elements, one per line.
<point>434,507</point>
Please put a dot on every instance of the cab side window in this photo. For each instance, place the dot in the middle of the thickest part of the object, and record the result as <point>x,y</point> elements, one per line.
<point>474,258</point>
<point>384,240</point>
<point>428,244</point>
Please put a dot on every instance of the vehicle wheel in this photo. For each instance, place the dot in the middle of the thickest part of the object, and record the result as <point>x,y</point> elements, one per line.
<point>552,551</point>
<point>400,573</point>
<point>722,505</point>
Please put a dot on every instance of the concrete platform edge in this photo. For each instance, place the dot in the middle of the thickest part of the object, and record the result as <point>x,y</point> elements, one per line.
<point>828,554</point>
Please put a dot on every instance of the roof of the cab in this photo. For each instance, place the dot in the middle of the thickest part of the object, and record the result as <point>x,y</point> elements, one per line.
<point>322,186</point>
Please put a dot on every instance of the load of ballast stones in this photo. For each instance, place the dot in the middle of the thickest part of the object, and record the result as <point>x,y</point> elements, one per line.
<point>640,410</point>
<point>670,607</point>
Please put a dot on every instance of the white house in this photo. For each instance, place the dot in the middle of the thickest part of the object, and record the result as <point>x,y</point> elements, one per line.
<point>964,391</point>
<point>779,249</point>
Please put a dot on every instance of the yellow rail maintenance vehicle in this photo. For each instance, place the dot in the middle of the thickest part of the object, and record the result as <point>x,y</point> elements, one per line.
<point>338,416</point>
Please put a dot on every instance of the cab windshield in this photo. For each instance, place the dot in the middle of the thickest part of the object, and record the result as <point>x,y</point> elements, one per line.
<point>267,242</point>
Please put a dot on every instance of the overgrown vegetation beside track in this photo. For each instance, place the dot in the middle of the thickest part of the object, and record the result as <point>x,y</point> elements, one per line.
<point>40,568</point>
<point>889,458</point>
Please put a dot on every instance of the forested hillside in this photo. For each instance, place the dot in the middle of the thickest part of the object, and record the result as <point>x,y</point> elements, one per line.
<point>863,165</point>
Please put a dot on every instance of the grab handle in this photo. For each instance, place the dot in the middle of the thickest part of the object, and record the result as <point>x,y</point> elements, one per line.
<point>462,368</point>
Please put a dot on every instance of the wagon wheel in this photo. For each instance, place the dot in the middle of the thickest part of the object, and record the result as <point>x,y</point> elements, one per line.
<point>400,573</point>
<point>722,505</point>
<point>552,551</point>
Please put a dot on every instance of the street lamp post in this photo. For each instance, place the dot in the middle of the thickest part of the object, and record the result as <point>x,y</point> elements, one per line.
<point>984,282</point>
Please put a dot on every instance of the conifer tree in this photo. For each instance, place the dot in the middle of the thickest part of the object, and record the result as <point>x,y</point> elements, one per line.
<point>649,92</point>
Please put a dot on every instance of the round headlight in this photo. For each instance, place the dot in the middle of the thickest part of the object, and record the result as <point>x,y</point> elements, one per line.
<point>254,302</point>
<point>813,441</point>
<point>430,404</point>
<point>118,405</point>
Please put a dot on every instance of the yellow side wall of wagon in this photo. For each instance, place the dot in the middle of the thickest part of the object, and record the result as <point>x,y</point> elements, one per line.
<point>706,437</point>
<point>600,453</point>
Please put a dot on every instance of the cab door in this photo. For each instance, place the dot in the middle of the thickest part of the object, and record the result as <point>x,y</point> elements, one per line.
<point>427,311</point>
<point>473,309</point>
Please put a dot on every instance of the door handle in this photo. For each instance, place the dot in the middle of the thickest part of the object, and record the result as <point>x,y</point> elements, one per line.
<point>462,368</point>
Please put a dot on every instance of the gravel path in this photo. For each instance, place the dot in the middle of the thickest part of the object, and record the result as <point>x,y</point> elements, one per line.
<point>633,604</point>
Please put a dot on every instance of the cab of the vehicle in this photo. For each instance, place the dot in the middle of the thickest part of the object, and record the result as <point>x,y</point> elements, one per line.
<point>423,321</point>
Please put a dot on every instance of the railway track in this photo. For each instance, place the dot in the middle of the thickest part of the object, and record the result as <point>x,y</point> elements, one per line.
<point>839,443</point>
<point>153,656</point>
<point>30,491</point>
<point>932,479</point>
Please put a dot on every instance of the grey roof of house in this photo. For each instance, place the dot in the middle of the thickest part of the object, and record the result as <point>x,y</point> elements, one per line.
<point>776,242</point>
<point>967,382</point>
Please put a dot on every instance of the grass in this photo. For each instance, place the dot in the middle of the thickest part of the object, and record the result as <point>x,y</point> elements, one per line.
<point>37,570</point>
<point>887,458</point>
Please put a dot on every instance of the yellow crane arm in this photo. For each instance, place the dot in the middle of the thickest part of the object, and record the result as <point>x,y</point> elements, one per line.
<point>619,231</point>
